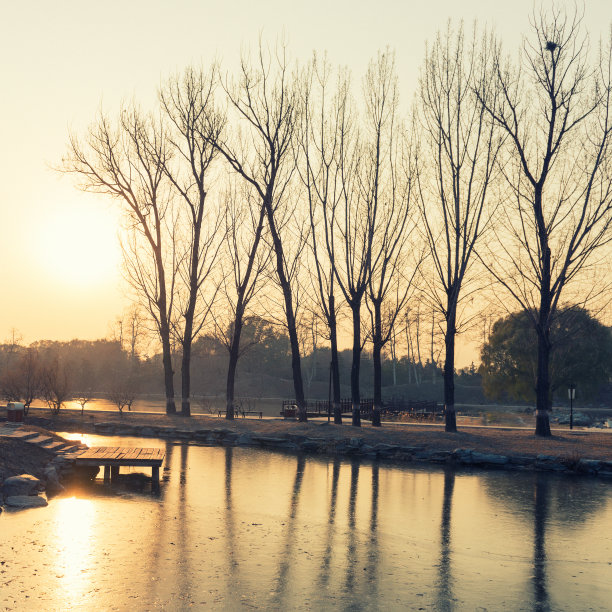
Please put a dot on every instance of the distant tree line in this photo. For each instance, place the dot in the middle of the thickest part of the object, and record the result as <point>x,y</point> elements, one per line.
<point>284,192</point>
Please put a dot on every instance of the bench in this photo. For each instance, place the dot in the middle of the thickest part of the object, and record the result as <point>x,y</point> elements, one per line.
<point>242,413</point>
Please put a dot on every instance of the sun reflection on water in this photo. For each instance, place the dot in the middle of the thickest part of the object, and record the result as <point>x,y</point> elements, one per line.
<point>73,530</point>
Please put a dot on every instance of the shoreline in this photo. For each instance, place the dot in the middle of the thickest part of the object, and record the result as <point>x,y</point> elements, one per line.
<point>571,452</point>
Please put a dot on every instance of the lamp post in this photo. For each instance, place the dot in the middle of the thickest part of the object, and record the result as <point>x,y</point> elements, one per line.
<point>571,392</point>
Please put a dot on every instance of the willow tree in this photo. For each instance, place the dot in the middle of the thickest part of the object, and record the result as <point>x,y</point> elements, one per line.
<point>460,146</point>
<point>554,108</point>
<point>126,160</point>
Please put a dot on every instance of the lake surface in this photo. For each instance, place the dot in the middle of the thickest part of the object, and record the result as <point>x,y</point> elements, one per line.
<point>244,529</point>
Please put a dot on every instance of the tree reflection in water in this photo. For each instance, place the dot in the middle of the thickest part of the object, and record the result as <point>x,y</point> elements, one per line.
<point>540,515</point>
<point>287,552</point>
<point>331,521</point>
<point>445,582</point>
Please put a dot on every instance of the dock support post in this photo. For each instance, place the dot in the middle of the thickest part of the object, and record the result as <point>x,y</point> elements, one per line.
<point>114,472</point>
<point>107,474</point>
<point>155,479</point>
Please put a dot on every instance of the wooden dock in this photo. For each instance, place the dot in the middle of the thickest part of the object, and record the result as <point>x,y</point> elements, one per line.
<point>113,457</point>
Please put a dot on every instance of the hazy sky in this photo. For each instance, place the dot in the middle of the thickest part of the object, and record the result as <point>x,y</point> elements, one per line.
<point>62,60</point>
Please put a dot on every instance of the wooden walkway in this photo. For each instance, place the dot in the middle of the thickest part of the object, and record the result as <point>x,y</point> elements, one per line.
<point>113,457</point>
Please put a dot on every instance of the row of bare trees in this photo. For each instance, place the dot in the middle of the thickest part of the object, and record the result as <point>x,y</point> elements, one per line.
<point>281,190</point>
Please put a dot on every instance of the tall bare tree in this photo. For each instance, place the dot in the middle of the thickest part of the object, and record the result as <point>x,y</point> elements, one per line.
<point>392,270</point>
<point>246,262</point>
<point>195,123</point>
<point>264,101</point>
<point>127,161</point>
<point>460,146</point>
<point>355,216</point>
<point>555,110</point>
<point>320,141</point>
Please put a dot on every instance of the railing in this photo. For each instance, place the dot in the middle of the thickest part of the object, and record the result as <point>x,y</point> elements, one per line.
<point>393,407</point>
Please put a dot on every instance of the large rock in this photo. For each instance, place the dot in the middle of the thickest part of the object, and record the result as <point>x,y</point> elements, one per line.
<point>25,484</point>
<point>26,501</point>
<point>52,483</point>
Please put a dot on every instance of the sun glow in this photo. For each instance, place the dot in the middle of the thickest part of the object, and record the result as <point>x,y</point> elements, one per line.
<point>78,246</point>
<point>73,529</point>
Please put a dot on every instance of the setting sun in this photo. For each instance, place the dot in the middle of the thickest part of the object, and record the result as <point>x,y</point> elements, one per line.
<point>77,246</point>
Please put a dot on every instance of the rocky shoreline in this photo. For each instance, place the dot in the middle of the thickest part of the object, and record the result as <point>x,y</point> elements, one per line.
<point>357,447</point>
<point>323,439</point>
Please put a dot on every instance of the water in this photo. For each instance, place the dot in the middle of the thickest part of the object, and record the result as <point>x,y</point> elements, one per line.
<point>243,529</point>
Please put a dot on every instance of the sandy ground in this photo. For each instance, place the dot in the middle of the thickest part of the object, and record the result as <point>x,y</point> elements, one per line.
<point>577,444</point>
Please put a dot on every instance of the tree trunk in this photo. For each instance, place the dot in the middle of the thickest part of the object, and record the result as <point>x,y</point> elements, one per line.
<point>190,312</point>
<point>355,399</point>
<point>376,358</point>
<point>449,371</point>
<point>333,334</point>
<point>164,331</point>
<point>168,372</point>
<point>234,353</point>
<point>543,326</point>
<point>298,384</point>
<point>186,377</point>
<point>543,382</point>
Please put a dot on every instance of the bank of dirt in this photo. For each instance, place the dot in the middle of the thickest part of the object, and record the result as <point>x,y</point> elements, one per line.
<point>596,445</point>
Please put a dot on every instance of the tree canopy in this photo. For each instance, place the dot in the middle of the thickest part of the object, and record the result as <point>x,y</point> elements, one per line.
<point>582,355</point>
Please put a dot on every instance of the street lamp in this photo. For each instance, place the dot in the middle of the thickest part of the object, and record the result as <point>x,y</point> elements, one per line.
<point>571,393</point>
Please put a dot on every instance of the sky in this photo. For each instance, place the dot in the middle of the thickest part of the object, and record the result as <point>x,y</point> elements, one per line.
<point>64,60</point>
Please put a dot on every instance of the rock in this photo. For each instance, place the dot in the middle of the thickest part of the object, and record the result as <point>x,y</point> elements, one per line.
<point>589,466</point>
<point>244,439</point>
<point>580,419</point>
<point>437,456</point>
<point>356,442</point>
<point>85,472</point>
<point>26,501</point>
<point>183,434</point>
<point>489,459</point>
<point>147,432</point>
<point>25,484</point>
<point>463,455</point>
<point>52,483</point>
<point>310,445</point>
<point>385,450</point>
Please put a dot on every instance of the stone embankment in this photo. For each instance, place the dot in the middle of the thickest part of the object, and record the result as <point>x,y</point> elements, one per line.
<point>25,490</point>
<point>358,447</point>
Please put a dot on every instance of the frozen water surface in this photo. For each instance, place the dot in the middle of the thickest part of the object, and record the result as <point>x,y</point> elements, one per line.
<point>244,529</point>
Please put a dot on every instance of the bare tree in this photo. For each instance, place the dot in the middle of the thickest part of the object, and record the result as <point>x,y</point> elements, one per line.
<point>458,164</point>
<point>188,102</point>
<point>129,330</point>
<point>123,393</point>
<point>321,138</point>
<point>55,384</point>
<point>22,381</point>
<point>128,162</point>
<point>555,110</point>
<point>83,399</point>
<point>265,101</point>
<point>244,221</point>
<point>392,271</point>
